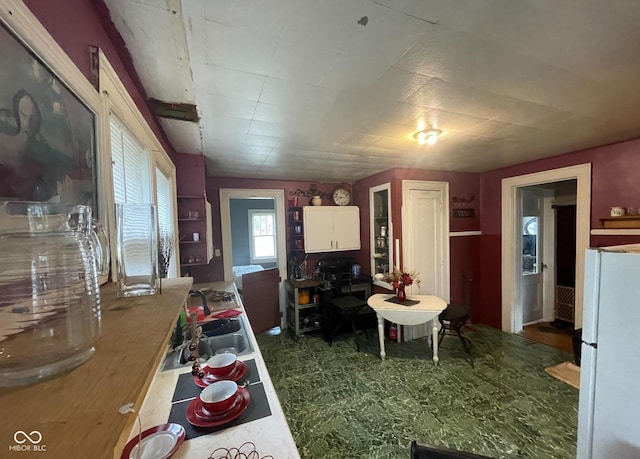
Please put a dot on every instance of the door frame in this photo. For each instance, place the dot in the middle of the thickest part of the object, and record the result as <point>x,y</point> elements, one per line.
<point>226,194</point>
<point>442,290</point>
<point>511,295</point>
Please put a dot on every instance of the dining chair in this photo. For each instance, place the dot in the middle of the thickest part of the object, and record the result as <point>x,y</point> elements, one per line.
<point>346,306</point>
<point>437,452</point>
<point>456,316</point>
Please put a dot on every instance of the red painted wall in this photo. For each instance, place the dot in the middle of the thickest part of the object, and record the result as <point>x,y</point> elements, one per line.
<point>215,270</point>
<point>463,249</point>
<point>615,174</point>
<point>77,24</point>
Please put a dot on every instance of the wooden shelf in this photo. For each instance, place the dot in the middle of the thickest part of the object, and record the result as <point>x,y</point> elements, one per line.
<point>628,221</point>
<point>191,219</point>
<point>191,242</point>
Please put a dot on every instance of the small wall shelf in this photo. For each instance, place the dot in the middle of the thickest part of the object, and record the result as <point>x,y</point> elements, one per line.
<point>629,221</point>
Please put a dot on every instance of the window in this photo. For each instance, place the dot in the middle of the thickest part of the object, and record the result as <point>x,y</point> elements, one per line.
<point>130,165</point>
<point>530,245</point>
<point>166,227</point>
<point>262,230</point>
<point>142,171</point>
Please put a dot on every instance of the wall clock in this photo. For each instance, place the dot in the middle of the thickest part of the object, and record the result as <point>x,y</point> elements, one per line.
<point>341,197</point>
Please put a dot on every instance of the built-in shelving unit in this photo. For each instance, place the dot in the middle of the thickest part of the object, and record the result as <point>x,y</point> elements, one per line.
<point>295,223</point>
<point>381,228</point>
<point>191,221</point>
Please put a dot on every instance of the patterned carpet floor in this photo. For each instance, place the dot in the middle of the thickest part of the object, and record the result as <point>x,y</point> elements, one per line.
<point>341,403</point>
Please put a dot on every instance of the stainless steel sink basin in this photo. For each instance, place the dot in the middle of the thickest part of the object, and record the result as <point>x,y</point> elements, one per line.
<point>223,335</point>
<point>219,327</point>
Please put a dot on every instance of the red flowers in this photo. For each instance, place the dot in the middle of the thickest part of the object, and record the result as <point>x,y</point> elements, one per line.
<point>397,278</point>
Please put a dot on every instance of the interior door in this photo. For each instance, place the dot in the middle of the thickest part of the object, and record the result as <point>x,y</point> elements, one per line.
<point>424,249</point>
<point>260,296</point>
<point>532,262</point>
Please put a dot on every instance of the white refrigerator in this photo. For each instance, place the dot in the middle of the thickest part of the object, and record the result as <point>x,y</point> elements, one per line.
<point>609,406</point>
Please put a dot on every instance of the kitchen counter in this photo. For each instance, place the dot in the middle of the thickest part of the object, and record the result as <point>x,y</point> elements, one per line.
<point>270,434</point>
<point>76,413</point>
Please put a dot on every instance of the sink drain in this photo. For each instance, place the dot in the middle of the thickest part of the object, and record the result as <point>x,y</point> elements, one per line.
<point>230,349</point>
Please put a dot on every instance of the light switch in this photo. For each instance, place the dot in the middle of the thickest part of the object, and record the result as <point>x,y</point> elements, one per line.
<point>216,252</point>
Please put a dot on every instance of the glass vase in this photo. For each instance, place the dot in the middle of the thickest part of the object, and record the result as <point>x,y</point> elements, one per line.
<point>401,294</point>
<point>136,249</point>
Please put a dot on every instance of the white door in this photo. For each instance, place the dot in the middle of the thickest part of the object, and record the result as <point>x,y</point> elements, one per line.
<point>531,256</point>
<point>425,247</point>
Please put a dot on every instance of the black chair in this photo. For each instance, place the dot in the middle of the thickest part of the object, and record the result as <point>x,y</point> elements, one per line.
<point>435,452</point>
<point>345,306</point>
<point>456,316</point>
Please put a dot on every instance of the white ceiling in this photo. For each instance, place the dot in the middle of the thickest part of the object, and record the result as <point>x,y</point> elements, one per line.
<point>297,89</point>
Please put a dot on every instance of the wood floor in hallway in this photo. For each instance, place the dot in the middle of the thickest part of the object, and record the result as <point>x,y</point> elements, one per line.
<point>545,333</point>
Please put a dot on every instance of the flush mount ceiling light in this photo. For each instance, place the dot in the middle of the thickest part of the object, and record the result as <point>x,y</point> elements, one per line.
<point>428,136</point>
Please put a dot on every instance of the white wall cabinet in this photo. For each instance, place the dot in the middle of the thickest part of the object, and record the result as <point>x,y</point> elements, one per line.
<point>331,228</point>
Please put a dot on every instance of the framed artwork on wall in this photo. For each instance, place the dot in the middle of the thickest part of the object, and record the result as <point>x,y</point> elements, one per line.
<point>47,133</point>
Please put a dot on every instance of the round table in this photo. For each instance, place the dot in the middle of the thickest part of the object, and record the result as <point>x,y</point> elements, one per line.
<point>426,310</point>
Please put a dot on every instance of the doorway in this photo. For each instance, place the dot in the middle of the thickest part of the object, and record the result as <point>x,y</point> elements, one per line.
<point>548,262</point>
<point>277,196</point>
<point>425,241</point>
<point>513,295</point>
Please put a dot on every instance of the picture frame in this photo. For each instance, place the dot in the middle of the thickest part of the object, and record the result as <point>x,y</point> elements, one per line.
<point>24,31</point>
<point>48,134</point>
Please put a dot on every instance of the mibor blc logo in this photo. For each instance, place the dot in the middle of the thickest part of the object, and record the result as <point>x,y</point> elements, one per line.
<point>24,441</point>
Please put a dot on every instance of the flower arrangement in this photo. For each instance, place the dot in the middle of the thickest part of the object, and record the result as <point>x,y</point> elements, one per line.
<point>403,278</point>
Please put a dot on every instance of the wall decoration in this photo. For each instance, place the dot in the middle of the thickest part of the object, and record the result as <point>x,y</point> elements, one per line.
<point>47,134</point>
<point>463,206</point>
<point>311,192</point>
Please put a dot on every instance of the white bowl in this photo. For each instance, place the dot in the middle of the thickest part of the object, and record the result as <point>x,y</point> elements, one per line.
<point>219,395</point>
<point>378,276</point>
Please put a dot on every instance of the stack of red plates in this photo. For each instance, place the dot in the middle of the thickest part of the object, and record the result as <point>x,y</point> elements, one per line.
<point>198,416</point>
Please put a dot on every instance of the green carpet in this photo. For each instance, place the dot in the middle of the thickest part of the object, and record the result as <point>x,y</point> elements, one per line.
<point>341,403</point>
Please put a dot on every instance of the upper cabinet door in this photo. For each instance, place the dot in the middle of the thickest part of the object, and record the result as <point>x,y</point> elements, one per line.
<point>346,228</point>
<point>331,228</point>
<point>318,229</point>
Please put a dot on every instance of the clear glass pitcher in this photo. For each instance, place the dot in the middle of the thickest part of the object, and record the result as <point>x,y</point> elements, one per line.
<point>49,295</point>
<point>100,244</point>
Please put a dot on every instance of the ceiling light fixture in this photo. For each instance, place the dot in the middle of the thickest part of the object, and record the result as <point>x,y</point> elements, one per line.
<point>428,136</point>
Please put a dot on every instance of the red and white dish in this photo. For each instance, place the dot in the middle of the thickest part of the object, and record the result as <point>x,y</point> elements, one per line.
<point>159,442</point>
<point>219,396</point>
<point>238,372</point>
<point>215,421</point>
<point>222,364</point>
<point>202,412</point>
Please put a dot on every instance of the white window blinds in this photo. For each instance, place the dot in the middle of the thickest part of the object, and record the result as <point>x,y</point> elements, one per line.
<point>130,166</point>
<point>167,233</point>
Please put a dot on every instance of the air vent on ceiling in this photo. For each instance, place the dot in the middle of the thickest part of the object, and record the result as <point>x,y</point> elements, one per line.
<point>174,110</point>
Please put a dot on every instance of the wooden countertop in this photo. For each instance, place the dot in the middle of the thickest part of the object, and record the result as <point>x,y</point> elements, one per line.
<point>77,413</point>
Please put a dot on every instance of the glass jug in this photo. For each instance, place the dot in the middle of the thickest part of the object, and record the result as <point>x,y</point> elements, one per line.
<point>100,244</point>
<point>49,295</point>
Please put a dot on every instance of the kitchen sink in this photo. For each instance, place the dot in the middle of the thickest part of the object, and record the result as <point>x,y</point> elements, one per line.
<point>222,335</point>
<point>219,327</point>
